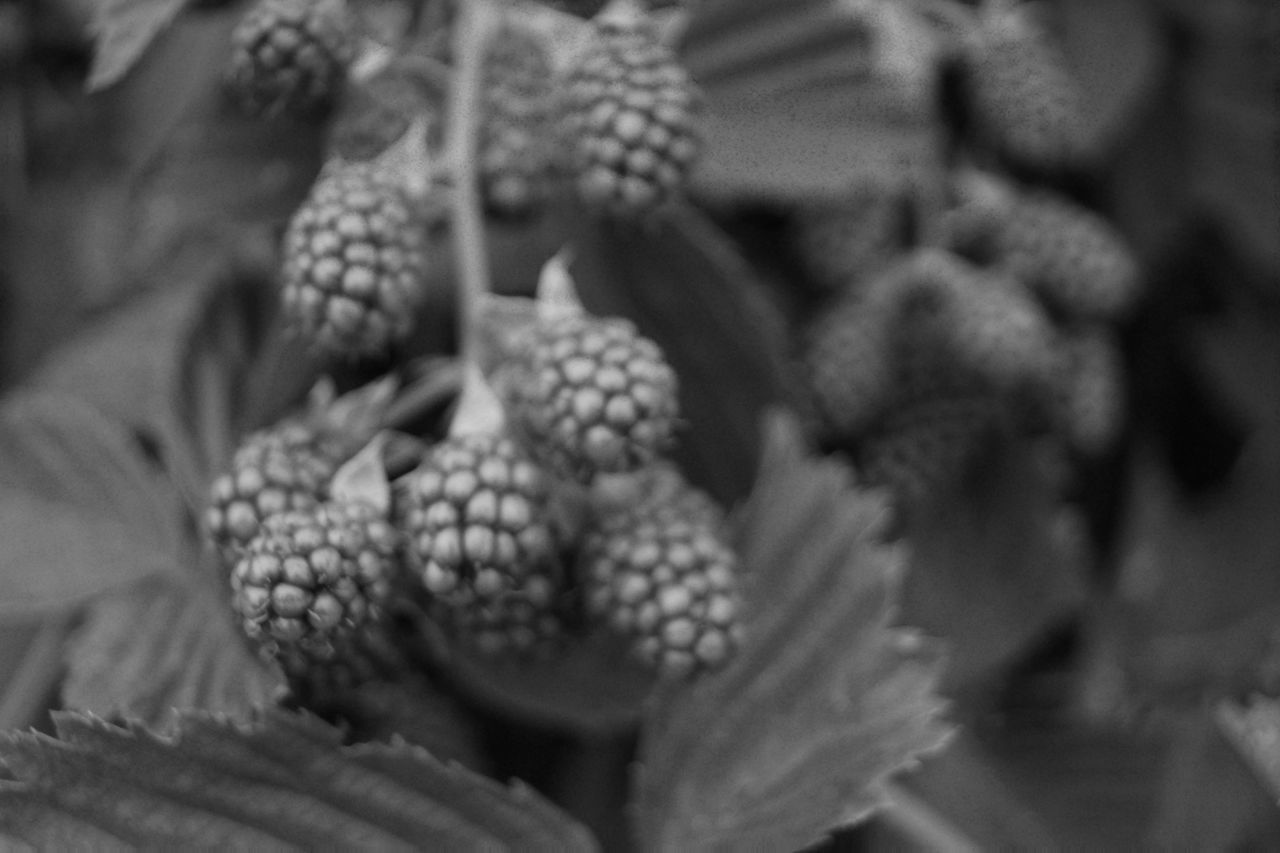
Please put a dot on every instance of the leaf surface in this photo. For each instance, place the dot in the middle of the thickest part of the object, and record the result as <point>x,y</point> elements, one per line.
<point>806,97</point>
<point>282,782</point>
<point>81,511</point>
<point>162,645</point>
<point>824,700</point>
<point>124,30</point>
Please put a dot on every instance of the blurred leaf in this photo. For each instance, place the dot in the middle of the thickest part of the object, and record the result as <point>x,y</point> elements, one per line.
<point>1209,799</point>
<point>166,644</point>
<point>124,29</point>
<point>995,564</point>
<point>1233,123</point>
<point>80,510</point>
<point>1254,730</point>
<point>806,97</point>
<point>1116,52</point>
<point>824,700</point>
<point>284,781</point>
<point>590,687</point>
<point>1199,589</point>
<point>686,286</point>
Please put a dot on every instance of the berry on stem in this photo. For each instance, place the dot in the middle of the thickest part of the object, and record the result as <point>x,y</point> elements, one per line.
<point>630,114</point>
<point>291,56</point>
<point>310,579</point>
<point>354,263</point>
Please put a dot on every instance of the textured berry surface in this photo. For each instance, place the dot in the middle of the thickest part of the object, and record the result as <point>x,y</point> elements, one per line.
<point>666,581</point>
<point>479,538</point>
<point>842,242</point>
<point>998,330</point>
<point>848,365</point>
<point>311,578</point>
<point>1071,256</point>
<point>287,467</point>
<point>517,135</point>
<point>290,56</point>
<point>1091,391</point>
<point>1022,98</point>
<point>354,262</point>
<point>631,114</point>
<point>596,396</point>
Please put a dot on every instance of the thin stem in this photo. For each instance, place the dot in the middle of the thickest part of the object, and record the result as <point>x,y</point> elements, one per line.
<point>476,21</point>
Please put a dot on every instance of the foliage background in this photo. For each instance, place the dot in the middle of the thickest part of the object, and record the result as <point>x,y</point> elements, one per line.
<point>1102,652</point>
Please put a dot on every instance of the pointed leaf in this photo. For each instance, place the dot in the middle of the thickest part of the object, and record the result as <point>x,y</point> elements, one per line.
<point>162,645</point>
<point>806,97</point>
<point>284,781</point>
<point>81,511</point>
<point>687,287</point>
<point>124,29</point>
<point>823,701</point>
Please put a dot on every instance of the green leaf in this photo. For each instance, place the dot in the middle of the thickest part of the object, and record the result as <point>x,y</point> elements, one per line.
<point>592,686</point>
<point>686,286</point>
<point>996,564</point>
<point>124,29</point>
<point>284,781</point>
<point>824,700</point>
<point>1253,727</point>
<point>165,644</point>
<point>81,512</point>
<point>806,97</point>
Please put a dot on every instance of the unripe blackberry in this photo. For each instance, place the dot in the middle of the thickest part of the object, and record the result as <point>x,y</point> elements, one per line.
<point>1022,99</point>
<point>848,364</point>
<point>354,260</point>
<point>368,653</point>
<point>1091,393</point>
<point>480,539</point>
<point>291,56</point>
<point>631,118</point>
<point>310,579</point>
<point>287,467</point>
<point>998,330</point>
<point>596,396</point>
<point>517,136</point>
<point>1075,259</point>
<point>666,581</point>
<point>840,243</point>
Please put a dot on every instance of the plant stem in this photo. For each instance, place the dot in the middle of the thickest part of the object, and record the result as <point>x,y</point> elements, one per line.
<point>476,21</point>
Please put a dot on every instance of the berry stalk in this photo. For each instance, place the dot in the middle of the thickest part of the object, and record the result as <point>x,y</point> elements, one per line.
<point>477,20</point>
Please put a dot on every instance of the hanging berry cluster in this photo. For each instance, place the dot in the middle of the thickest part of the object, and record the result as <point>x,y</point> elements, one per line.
<point>938,321</point>
<point>542,509</point>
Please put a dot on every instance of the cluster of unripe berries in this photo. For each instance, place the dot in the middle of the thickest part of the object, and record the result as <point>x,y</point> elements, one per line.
<point>612,122</point>
<point>546,513</point>
<point>929,337</point>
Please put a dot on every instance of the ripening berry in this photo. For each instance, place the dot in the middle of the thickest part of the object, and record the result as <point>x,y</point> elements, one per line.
<point>475,512</point>
<point>848,364</point>
<point>311,578</point>
<point>1091,391</point>
<point>596,397</point>
<point>1022,99</point>
<point>666,581</point>
<point>354,261</point>
<point>291,56</point>
<point>630,115</point>
<point>287,467</point>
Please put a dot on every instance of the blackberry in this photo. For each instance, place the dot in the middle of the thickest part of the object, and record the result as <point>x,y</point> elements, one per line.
<point>291,56</point>
<point>665,580</point>
<point>631,117</point>
<point>310,580</point>
<point>595,396</point>
<point>480,540</point>
<point>842,242</point>
<point>287,467</point>
<point>354,263</point>
<point>847,363</point>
